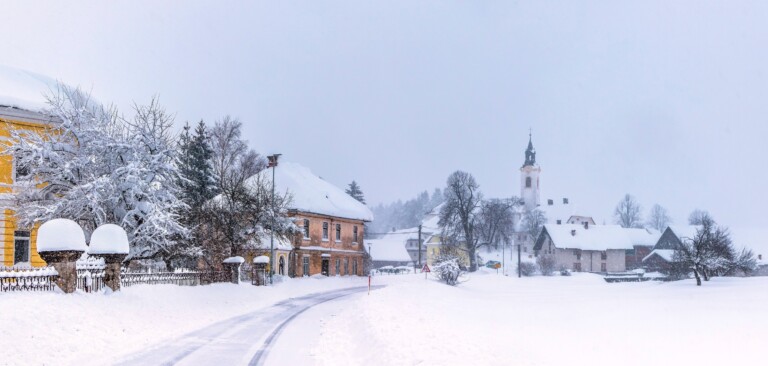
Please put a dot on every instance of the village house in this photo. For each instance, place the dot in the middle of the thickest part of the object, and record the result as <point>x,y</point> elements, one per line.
<point>331,223</point>
<point>591,248</point>
<point>662,254</point>
<point>391,249</point>
<point>22,105</point>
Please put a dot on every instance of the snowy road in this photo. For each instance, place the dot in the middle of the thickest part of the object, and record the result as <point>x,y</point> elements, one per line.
<point>242,340</point>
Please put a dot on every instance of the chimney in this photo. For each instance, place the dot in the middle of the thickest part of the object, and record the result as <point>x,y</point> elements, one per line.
<point>550,202</point>
<point>586,225</point>
<point>565,201</point>
<point>573,232</point>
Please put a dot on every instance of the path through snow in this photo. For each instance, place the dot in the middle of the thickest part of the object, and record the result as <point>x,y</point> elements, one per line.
<point>241,340</point>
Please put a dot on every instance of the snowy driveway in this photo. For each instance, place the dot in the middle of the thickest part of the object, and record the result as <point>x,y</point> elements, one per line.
<point>242,340</point>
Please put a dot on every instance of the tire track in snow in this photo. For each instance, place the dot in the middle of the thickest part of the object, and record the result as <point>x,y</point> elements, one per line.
<point>244,339</point>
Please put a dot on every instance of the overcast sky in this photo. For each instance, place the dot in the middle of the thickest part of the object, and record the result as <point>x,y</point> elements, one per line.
<point>663,100</point>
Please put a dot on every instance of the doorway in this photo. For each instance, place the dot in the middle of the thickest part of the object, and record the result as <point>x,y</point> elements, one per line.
<point>324,269</point>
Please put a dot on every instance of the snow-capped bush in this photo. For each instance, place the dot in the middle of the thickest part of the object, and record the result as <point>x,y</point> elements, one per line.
<point>546,263</point>
<point>527,269</point>
<point>447,269</point>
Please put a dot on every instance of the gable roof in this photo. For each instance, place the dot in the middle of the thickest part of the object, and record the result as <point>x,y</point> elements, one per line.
<point>391,246</point>
<point>597,237</point>
<point>312,194</point>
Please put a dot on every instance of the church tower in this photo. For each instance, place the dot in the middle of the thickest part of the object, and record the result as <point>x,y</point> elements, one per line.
<point>529,178</point>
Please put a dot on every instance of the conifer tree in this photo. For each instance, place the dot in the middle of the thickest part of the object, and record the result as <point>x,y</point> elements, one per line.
<point>355,191</point>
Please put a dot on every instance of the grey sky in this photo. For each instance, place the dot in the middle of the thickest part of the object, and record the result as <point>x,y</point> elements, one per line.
<point>663,100</point>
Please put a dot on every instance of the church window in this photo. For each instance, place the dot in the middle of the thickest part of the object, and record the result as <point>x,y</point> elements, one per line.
<point>527,182</point>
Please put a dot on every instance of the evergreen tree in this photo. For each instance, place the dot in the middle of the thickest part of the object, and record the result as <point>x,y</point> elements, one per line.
<point>355,191</point>
<point>196,166</point>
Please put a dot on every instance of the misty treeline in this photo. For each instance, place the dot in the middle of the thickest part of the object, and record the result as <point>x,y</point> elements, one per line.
<point>403,215</point>
<point>181,198</point>
<point>629,214</point>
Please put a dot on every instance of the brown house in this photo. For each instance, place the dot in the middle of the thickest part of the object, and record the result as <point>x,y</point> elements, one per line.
<point>331,222</point>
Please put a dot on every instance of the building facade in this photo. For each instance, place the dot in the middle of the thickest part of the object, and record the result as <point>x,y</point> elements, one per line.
<point>328,245</point>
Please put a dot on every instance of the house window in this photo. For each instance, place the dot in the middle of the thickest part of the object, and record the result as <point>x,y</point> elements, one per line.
<point>306,229</point>
<point>325,231</point>
<point>559,222</point>
<point>354,267</point>
<point>578,255</point>
<point>527,182</point>
<point>338,232</point>
<point>603,255</point>
<point>602,267</point>
<point>21,247</point>
<point>577,267</point>
<point>354,234</point>
<point>338,266</point>
<point>346,266</point>
<point>306,266</point>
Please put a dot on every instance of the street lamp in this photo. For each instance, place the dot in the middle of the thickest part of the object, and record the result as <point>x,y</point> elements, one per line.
<point>272,164</point>
<point>370,255</point>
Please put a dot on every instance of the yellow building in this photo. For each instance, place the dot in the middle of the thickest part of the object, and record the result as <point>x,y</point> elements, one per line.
<point>22,99</point>
<point>434,244</point>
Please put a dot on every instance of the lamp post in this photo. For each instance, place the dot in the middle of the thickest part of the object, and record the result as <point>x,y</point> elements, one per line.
<point>272,164</point>
<point>370,255</point>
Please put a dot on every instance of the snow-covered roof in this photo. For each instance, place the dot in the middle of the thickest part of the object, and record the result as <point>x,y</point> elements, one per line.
<point>391,246</point>
<point>236,260</point>
<point>109,239</point>
<point>24,90</point>
<point>666,254</point>
<point>59,235</point>
<point>262,241</point>
<point>261,259</point>
<point>684,231</point>
<point>599,237</point>
<point>312,194</point>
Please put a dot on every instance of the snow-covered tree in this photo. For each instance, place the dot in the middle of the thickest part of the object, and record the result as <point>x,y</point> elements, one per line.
<point>240,217</point>
<point>94,167</point>
<point>496,221</point>
<point>709,253</point>
<point>355,191</point>
<point>697,217</point>
<point>533,222</point>
<point>195,156</point>
<point>459,213</point>
<point>627,213</point>
<point>658,218</point>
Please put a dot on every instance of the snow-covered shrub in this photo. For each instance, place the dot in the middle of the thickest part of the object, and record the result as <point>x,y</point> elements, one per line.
<point>527,269</point>
<point>447,268</point>
<point>546,263</point>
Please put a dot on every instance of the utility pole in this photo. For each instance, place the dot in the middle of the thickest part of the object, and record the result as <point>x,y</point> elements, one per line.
<point>272,164</point>
<point>419,264</point>
<point>504,258</point>
<point>519,273</point>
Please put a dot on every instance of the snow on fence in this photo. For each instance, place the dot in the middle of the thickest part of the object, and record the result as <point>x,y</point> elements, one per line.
<point>32,279</point>
<point>92,278</point>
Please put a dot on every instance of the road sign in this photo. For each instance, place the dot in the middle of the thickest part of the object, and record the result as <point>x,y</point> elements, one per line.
<point>425,268</point>
<point>497,265</point>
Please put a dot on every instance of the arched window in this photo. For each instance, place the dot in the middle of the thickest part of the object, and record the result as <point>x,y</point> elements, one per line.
<point>527,182</point>
<point>281,268</point>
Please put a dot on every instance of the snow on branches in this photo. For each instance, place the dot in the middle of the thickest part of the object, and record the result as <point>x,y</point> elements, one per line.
<point>95,167</point>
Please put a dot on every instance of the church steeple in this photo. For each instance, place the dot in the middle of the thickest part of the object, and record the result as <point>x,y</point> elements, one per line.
<point>530,153</point>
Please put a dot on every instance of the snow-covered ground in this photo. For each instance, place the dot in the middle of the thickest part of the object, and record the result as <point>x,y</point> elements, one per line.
<point>490,319</point>
<point>577,320</point>
<point>95,329</point>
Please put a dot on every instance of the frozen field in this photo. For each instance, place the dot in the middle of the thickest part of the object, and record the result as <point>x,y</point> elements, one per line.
<point>490,319</point>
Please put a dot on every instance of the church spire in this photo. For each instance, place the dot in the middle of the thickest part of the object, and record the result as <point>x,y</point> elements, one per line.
<point>530,153</point>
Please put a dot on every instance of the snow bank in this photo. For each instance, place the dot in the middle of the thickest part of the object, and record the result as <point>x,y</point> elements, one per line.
<point>60,234</point>
<point>237,259</point>
<point>109,239</point>
<point>261,259</point>
<point>24,90</point>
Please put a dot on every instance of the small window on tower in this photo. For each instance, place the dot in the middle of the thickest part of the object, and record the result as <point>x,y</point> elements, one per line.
<point>527,182</point>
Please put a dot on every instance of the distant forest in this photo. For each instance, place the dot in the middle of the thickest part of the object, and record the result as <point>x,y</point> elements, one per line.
<point>402,215</point>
